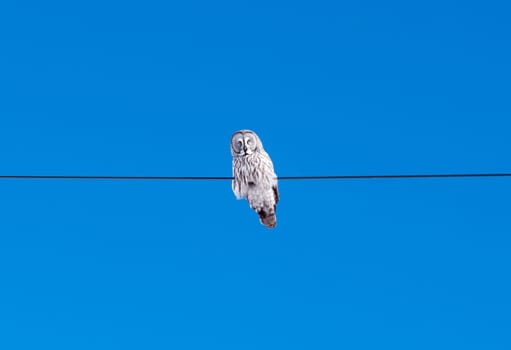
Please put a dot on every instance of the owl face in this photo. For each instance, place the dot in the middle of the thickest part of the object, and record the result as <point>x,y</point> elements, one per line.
<point>244,143</point>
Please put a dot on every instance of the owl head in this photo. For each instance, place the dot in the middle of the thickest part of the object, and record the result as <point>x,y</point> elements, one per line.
<point>244,143</point>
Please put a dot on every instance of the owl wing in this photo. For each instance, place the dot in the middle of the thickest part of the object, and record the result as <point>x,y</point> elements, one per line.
<point>276,193</point>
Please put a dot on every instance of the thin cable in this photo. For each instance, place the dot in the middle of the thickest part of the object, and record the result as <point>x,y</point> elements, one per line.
<point>106,177</point>
<point>211,178</point>
<point>407,176</point>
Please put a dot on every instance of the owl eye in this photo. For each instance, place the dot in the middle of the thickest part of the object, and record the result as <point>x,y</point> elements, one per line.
<point>250,141</point>
<point>237,144</point>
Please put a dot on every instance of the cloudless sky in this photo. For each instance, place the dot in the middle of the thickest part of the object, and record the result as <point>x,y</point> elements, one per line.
<point>157,88</point>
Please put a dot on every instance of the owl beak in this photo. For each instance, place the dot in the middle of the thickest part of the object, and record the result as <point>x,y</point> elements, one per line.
<point>245,149</point>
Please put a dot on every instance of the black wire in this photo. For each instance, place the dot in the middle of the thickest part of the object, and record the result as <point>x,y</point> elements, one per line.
<point>412,176</point>
<point>106,177</point>
<point>207,178</point>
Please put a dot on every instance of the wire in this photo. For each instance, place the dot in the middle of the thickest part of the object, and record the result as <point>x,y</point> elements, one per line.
<point>106,177</point>
<point>209,178</point>
<point>412,176</point>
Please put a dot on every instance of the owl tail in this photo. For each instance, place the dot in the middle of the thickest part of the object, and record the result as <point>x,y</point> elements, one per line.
<point>267,217</point>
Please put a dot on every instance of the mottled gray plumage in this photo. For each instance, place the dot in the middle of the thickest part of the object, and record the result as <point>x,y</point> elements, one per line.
<point>254,177</point>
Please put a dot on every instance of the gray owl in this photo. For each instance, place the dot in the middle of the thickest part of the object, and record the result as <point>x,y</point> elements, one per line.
<point>254,177</point>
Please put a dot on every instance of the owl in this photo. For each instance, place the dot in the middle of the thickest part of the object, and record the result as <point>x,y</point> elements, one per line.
<point>254,177</point>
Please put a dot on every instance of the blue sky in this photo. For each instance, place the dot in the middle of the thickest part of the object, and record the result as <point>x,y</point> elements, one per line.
<point>157,88</point>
